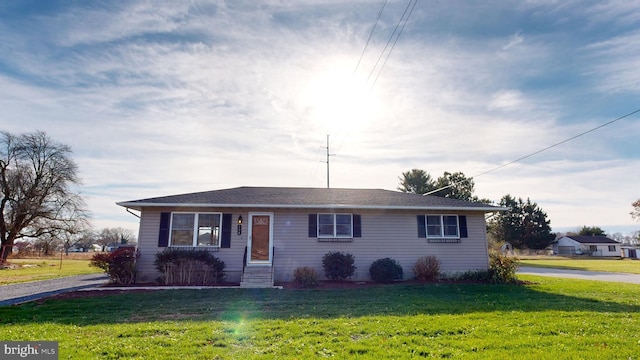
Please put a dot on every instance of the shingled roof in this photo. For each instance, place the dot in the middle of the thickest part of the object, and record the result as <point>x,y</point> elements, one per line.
<point>291,197</point>
<point>592,239</point>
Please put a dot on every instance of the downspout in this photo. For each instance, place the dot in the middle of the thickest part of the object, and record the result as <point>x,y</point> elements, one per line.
<point>134,214</point>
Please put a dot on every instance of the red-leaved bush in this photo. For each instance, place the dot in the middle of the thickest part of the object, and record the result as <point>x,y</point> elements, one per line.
<point>120,265</point>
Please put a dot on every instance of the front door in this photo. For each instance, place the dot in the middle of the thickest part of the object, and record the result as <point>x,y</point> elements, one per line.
<point>260,238</point>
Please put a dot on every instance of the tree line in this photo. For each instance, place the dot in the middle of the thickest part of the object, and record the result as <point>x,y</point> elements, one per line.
<point>87,240</point>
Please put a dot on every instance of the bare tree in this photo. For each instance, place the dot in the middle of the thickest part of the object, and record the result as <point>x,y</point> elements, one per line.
<point>37,179</point>
<point>114,236</point>
<point>636,210</point>
<point>81,239</point>
<point>47,244</point>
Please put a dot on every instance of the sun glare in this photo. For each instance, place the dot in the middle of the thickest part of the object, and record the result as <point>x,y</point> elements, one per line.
<point>339,100</point>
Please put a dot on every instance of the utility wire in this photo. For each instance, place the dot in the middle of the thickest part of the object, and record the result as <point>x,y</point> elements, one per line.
<point>394,43</point>
<point>405,16</point>
<point>538,152</point>
<point>384,3</point>
<point>390,39</point>
<point>406,19</point>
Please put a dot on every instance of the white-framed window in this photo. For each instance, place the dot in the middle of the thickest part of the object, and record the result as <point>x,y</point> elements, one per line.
<point>442,226</point>
<point>335,225</point>
<point>195,229</point>
<point>612,248</point>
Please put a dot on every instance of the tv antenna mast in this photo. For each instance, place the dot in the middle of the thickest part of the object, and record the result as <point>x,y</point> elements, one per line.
<point>328,155</point>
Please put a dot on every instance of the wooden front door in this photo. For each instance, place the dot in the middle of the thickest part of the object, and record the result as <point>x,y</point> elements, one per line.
<point>260,238</point>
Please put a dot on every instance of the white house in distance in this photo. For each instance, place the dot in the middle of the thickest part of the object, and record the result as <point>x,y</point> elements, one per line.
<point>630,251</point>
<point>586,245</point>
<point>276,230</point>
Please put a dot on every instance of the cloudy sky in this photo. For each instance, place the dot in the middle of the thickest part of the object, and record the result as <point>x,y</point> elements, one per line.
<point>158,98</point>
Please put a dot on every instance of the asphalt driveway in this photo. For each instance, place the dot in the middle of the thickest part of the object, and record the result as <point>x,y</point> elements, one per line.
<point>18,293</point>
<point>580,274</point>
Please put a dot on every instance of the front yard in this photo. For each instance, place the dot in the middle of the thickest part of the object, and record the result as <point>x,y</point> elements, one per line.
<point>585,263</point>
<point>25,270</point>
<point>548,319</point>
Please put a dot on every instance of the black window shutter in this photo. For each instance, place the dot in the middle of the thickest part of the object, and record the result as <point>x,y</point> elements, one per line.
<point>462,221</point>
<point>225,241</point>
<point>163,236</point>
<point>357,226</point>
<point>422,226</point>
<point>313,225</point>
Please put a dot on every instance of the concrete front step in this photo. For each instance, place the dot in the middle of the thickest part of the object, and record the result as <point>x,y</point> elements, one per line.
<point>257,277</point>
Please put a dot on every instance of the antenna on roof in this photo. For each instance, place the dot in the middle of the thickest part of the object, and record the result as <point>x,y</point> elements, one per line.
<point>328,154</point>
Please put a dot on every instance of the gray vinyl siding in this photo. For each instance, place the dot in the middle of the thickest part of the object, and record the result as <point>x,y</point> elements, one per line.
<point>148,246</point>
<point>384,234</point>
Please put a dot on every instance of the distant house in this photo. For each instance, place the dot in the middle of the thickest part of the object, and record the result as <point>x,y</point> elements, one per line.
<point>268,232</point>
<point>586,245</point>
<point>631,252</point>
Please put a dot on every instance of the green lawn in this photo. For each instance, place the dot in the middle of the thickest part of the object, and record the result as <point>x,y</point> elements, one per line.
<point>549,319</point>
<point>589,264</point>
<point>42,269</point>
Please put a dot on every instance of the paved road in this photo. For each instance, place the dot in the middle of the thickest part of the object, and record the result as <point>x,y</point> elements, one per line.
<point>18,293</point>
<point>579,274</point>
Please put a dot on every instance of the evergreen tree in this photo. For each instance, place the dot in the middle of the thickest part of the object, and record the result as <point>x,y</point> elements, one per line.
<point>416,181</point>
<point>525,225</point>
<point>592,231</point>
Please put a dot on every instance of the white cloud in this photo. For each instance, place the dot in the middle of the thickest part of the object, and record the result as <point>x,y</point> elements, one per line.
<point>175,98</point>
<point>515,40</point>
<point>615,63</point>
<point>509,99</point>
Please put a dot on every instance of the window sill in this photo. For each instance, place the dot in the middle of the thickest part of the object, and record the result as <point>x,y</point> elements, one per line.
<point>194,248</point>
<point>335,240</point>
<point>443,240</point>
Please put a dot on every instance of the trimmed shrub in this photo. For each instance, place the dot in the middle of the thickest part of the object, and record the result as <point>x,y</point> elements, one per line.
<point>189,267</point>
<point>306,277</point>
<point>482,276</point>
<point>120,265</point>
<point>385,270</point>
<point>426,268</point>
<point>338,265</point>
<point>503,268</point>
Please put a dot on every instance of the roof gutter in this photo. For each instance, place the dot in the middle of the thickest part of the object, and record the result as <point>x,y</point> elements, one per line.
<point>139,206</point>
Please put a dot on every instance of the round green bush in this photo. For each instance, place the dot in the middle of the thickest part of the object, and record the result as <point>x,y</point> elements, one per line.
<point>385,270</point>
<point>503,268</point>
<point>338,265</point>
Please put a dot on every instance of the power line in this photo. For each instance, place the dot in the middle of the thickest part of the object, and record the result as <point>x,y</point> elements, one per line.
<point>539,151</point>
<point>391,38</point>
<point>394,43</point>
<point>398,29</point>
<point>406,19</point>
<point>384,3</point>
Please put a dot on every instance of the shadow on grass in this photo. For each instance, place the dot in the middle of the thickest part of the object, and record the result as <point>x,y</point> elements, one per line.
<point>252,304</point>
